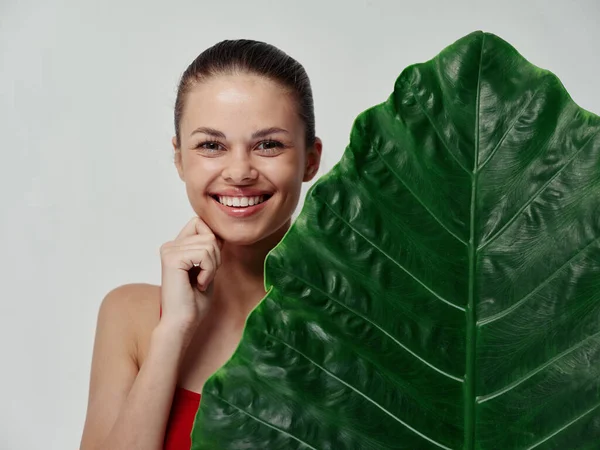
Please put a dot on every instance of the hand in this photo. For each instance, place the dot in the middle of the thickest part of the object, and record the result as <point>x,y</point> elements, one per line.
<point>189,264</point>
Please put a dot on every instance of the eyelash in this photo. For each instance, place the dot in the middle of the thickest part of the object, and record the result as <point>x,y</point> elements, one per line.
<point>201,145</point>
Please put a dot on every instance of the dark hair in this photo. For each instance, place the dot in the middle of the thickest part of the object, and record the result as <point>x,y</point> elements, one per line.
<point>254,57</point>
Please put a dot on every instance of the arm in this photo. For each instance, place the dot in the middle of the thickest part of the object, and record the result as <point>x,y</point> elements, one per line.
<point>127,408</point>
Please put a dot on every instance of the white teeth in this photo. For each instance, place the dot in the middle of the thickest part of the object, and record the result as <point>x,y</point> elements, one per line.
<point>241,201</point>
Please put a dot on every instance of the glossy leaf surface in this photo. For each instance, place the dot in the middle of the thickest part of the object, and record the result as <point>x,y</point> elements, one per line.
<point>441,287</point>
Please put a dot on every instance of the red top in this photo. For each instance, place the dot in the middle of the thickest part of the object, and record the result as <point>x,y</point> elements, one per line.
<point>183,412</point>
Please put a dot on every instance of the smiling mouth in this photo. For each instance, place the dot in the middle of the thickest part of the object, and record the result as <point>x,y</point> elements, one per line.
<point>241,202</point>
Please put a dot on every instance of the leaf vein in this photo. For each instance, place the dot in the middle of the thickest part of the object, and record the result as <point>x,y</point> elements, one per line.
<point>471,320</point>
<point>512,125</point>
<point>366,319</point>
<point>437,131</point>
<point>522,301</point>
<point>262,421</point>
<point>514,384</point>
<point>536,194</point>
<point>359,393</point>
<point>419,199</point>
<point>581,416</point>
<point>436,295</point>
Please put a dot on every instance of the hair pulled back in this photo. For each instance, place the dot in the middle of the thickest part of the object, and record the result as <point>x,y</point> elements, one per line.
<point>253,57</point>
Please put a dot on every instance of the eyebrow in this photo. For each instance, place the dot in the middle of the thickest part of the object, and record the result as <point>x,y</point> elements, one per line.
<point>255,135</point>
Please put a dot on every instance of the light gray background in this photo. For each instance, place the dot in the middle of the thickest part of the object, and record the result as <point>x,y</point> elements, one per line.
<point>88,188</point>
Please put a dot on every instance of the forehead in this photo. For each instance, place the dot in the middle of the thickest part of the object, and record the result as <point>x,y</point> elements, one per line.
<point>242,101</point>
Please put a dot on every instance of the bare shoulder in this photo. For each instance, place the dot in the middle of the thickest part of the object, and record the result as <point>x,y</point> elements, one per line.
<point>138,304</point>
<point>125,317</point>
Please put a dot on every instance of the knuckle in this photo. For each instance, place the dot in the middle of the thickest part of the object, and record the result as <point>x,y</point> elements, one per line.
<point>169,257</point>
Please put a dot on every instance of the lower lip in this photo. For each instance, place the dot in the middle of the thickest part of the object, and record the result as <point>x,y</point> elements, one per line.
<point>242,211</point>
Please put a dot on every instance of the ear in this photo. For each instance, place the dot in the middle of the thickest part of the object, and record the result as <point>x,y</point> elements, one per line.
<point>177,158</point>
<point>313,160</point>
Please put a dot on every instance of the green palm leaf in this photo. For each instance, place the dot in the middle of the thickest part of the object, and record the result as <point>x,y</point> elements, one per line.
<point>441,287</point>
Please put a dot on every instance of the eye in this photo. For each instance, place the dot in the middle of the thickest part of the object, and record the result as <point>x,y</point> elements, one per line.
<point>209,147</point>
<point>270,147</point>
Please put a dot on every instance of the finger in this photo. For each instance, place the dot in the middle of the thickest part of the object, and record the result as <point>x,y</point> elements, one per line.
<point>204,279</point>
<point>202,257</point>
<point>206,266</point>
<point>205,238</point>
<point>219,241</point>
<point>206,275</point>
<point>193,275</point>
<point>217,251</point>
<point>185,258</point>
<point>214,254</point>
<point>197,242</point>
<point>195,226</point>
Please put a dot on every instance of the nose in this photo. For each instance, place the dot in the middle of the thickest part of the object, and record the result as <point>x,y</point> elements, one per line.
<point>239,169</point>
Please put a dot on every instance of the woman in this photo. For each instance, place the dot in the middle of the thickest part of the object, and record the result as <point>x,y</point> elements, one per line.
<point>244,143</point>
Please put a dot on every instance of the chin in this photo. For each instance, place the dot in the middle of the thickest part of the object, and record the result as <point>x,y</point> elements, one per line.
<point>252,234</point>
<point>240,240</point>
<point>238,234</point>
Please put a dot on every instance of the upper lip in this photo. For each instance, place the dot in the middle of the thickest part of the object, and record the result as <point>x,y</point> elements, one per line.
<point>241,192</point>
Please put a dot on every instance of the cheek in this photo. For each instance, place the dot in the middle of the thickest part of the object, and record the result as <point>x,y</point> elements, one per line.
<point>288,179</point>
<point>195,188</point>
<point>197,172</point>
<point>192,192</point>
<point>285,172</point>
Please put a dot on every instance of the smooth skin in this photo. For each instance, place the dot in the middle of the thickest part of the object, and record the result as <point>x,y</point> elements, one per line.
<point>240,134</point>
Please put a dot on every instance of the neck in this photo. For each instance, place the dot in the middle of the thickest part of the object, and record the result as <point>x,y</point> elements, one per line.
<point>239,282</point>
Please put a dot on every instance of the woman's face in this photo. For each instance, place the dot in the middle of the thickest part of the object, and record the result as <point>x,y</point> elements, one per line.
<point>243,156</point>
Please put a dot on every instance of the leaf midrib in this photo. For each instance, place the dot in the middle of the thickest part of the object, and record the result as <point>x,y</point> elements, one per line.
<point>471,319</point>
